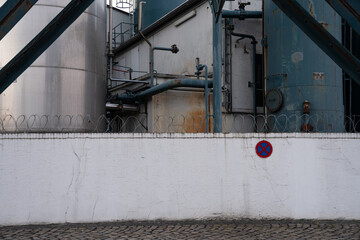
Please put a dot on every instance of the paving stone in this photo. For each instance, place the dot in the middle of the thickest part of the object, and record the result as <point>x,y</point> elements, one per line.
<point>239,229</point>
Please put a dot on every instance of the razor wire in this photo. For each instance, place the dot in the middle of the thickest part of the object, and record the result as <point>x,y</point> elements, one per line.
<point>144,123</point>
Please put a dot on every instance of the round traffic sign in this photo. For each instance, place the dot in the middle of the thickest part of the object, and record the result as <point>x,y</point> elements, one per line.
<point>264,149</point>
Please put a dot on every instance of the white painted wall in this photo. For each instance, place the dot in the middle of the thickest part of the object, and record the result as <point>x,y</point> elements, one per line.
<point>57,178</point>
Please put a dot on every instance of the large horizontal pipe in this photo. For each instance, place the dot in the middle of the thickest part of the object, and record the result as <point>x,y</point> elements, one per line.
<point>11,13</point>
<point>190,83</point>
<point>349,10</point>
<point>317,33</point>
<point>241,14</point>
<point>11,71</point>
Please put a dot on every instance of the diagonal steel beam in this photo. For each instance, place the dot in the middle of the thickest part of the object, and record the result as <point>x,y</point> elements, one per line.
<point>11,13</point>
<point>349,10</point>
<point>321,37</point>
<point>41,42</point>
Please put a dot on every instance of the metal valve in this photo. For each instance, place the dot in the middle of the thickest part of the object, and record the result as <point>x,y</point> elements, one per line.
<point>174,49</point>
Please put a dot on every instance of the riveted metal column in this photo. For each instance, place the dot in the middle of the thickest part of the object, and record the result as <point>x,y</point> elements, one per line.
<point>217,74</point>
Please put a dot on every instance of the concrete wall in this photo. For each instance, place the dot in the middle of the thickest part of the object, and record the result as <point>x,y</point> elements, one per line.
<point>57,178</point>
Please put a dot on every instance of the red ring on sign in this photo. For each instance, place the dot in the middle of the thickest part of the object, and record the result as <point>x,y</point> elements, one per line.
<point>264,149</point>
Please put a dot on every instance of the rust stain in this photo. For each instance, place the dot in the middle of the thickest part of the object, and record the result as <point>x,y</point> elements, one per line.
<point>325,25</point>
<point>311,9</point>
<point>245,50</point>
<point>28,5</point>
<point>195,121</point>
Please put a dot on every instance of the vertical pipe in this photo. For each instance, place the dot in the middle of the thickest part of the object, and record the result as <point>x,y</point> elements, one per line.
<point>254,82</point>
<point>206,99</point>
<point>139,30</point>
<point>140,14</point>
<point>110,28</point>
<point>264,48</point>
<point>152,67</point>
<point>350,79</point>
<point>230,75</point>
<point>217,74</point>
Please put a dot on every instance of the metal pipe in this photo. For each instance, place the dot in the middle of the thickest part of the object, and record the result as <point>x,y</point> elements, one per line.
<point>321,37</point>
<point>228,65</point>
<point>349,10</point>
<point>217,74</point>
<point>253,84</point>
<point>120,79</point>
<point>110,29</point>
<point>173,49</point>
<point>127,80</point>
<point>141,33</point>
<point>191,83</point>
<point>11,13</point>
<point>206,99</point>
<point>123,107</point>
<point>140,14</point>
<point>199,68</point>
<point>150,47</point>
<point>11,71</point>
<point>241,14</point>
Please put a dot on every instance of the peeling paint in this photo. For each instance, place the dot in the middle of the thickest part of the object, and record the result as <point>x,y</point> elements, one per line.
<point>311,8</point>
<point>297,57</point>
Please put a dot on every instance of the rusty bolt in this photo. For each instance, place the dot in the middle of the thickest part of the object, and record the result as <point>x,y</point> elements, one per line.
<point>306,107</point>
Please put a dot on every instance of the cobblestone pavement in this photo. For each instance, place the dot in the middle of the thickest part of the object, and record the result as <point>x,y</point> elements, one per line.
<point>243,229</point>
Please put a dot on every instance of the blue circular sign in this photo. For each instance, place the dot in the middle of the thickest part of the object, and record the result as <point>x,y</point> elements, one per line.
<point>264,149</point>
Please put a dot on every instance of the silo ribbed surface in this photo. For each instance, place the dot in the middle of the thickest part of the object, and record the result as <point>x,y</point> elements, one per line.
<point>65,88</point>
<point>302,71</point>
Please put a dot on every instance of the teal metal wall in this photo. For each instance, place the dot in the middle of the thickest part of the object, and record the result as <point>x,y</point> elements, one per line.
<point>153,10</point>
<point>302,71</point>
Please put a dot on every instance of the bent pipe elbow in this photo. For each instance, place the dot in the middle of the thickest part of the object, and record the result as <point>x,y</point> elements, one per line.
<point>188,83</point>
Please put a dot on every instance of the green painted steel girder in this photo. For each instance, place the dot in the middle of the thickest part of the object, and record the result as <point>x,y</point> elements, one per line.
<point>11,13</point>
<point>321,37</point>
<point>11,71</point>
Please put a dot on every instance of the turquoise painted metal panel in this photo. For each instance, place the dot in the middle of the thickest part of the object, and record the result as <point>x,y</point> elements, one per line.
<point>301,71</point>
<point>153,10</point>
